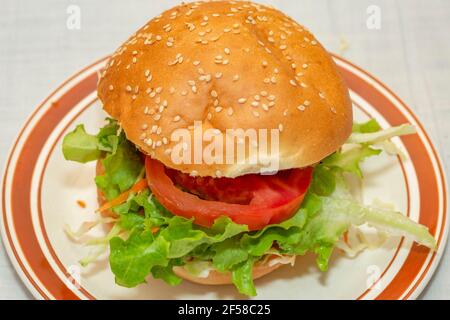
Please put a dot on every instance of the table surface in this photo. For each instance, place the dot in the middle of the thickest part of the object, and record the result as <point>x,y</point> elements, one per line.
<point>410,52</point>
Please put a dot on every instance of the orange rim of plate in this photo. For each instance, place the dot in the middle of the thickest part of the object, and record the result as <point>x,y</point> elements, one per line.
<point>52,280</point>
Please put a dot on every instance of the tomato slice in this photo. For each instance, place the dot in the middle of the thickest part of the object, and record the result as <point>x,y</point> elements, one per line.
<point>253,200</point>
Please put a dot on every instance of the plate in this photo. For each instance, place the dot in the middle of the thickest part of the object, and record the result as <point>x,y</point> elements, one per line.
<point>40,192</point>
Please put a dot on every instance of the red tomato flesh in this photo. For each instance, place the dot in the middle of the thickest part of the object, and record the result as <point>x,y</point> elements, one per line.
<point>254,200</point>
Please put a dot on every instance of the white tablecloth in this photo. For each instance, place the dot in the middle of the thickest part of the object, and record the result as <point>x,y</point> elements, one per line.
<point>410,53</point>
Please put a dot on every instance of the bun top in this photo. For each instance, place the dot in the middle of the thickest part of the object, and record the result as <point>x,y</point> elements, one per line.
<point>227,65</point>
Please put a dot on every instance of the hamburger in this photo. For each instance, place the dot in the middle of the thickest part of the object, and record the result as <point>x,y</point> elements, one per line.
<point>227,149</point>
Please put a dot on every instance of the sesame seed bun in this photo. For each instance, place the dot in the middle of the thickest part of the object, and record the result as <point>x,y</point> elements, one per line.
<point>228,65</point>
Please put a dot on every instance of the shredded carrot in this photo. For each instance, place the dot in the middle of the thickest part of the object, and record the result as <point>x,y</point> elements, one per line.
<point>345,237</point>
<point>155,229</point>
<point>139,186</point>
<point>81,204</point>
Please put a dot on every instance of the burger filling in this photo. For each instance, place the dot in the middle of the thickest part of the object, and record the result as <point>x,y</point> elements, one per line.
<point>164,218</point>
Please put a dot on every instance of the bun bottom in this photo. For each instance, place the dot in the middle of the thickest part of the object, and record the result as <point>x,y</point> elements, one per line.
<point>218,278</point>
<point>214,277</point>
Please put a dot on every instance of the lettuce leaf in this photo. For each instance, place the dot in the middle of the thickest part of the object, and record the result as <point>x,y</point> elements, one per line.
<point>80,146</point>
<point>242,277</point>
<point>350,159</point>
<point>120,158</point>
<point>122,170</point>
<point>131,260</point>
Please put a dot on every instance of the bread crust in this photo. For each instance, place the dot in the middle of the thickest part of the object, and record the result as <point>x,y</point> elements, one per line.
<point>218,278</point>
<point>227,65</point>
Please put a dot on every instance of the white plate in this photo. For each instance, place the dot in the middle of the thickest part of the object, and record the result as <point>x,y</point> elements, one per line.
<point>40,190</point>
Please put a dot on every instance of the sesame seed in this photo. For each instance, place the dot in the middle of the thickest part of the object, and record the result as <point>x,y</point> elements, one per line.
<point>176,118</point>
<point>218,75</point>
<point>111,87</point>
<point>256,114</point>
<point>271,97</point>
<point>255,103</point>
<point>236,77</point>
<point>303,85</point>
<point>144,126</point>
<point>230,111</point>
<point>292,82</point>
<point>194,89</point>
<point>301,107</point>
<point>193,173</point>
<point>227,50</point>
<point>283,47</point>
<point>191,82</point>
<point>218,109</point>
<point>147,72</point>
<point>306,103</point>
<point>304,66</point>
<point>242,100</point>
<point>218,174</point>
<point>280,127</point>
<point>214,93</point>
<point>128,88</point>
<point>264,63</point>
<point>264,93</point>
<point>273,79</point>
<point>196,63</point>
